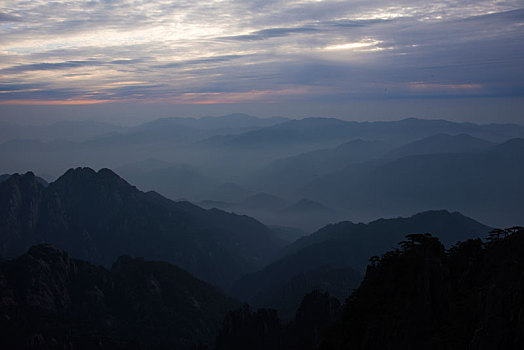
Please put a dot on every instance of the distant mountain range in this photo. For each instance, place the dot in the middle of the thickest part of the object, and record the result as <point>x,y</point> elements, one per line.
<point>98,216</point>
<point>334,131</point>
<point>305,214</point>
<point>49,300</point>
<point>345,245</point>
<point>359,170</point>
<point>485,184</point>
<point>240,142</point>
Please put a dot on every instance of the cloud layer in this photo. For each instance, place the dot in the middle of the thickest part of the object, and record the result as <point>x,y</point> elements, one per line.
<point>235,51</point>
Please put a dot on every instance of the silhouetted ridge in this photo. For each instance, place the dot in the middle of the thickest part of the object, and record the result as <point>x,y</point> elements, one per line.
<point>98,216</point>
<point>5,177</point>
<point>49,301</point>
<point>418,296</point>
<point>104,179</point>
<point>262,329</point>
<point>424,297</point>
<point>451,227</point>
<point>347,246</point>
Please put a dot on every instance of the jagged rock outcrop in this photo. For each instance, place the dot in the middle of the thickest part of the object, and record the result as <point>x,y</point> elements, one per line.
<point>244,329</point>
<point>262,329</point>
<point>51,301</point>
<point>316,313</point>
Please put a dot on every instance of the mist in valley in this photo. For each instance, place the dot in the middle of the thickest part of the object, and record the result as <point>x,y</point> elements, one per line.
<point>296,174</point>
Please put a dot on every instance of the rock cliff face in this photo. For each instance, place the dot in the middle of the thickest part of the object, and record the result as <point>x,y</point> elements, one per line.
<point>50,301</point>
<point>422,296</point>
<point>97,216</point>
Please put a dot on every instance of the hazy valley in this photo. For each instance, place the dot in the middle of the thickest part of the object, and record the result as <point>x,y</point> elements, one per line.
<point>282,214</point>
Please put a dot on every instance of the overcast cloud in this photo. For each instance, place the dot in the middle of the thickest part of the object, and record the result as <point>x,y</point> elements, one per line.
<point>236,52</point>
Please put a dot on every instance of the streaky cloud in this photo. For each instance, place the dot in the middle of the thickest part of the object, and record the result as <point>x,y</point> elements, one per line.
<point>197,61</point>
<point>4,17</point>
<point>271,33</point>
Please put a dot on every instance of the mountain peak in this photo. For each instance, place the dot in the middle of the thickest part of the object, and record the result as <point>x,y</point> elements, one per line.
<point>108,174</point>
<point>78,172</point>
<point>46,252</point>
<point>86,174</point>
<point>29,179</point>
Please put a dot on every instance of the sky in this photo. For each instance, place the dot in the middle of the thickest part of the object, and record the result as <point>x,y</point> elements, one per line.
<point>127,61</point>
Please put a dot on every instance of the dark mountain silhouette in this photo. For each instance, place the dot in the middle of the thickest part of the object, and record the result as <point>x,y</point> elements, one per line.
<point>286,299</point>
<point>422,297</point>
<point>40,180</point>
<point>98,216</point>
<point>484,184</point>
<point>262,329</point>
<point>243,329</point>
<point>450,227</point>
<point>349,245</point>
<point>49,301</point>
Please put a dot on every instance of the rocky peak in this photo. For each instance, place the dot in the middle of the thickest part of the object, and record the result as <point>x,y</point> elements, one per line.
<point>43,274</point>
<point>67,303</point>
<point>317,310</point>
<point>88,177</point>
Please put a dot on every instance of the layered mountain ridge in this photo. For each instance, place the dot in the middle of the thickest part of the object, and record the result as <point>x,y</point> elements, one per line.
<point>98,216</point>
